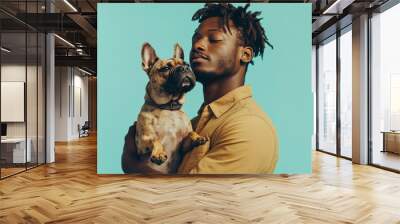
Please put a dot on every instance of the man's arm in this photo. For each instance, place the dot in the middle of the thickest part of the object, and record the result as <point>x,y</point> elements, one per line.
<point>131,162</point>
<point>245,145</point>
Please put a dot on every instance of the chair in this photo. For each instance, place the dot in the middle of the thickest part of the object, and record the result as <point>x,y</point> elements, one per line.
<point>84,130</point>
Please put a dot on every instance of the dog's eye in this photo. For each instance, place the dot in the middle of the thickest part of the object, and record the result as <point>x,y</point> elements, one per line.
<point>164,69</point>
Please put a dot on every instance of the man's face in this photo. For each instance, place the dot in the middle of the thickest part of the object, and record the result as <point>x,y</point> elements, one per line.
<point>215,54</point>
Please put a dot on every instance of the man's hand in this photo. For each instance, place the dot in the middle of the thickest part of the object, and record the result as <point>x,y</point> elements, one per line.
<point>132,162</point>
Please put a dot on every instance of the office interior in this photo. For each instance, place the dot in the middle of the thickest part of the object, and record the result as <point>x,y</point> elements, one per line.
<point>48,81</point>
<point>356,62</point>
<point>48,77</point>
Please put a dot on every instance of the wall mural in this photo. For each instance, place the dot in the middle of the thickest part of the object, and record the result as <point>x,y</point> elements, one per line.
<point>204,88</point>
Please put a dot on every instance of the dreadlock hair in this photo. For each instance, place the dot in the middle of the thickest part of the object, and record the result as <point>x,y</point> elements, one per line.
<point>251,32</point>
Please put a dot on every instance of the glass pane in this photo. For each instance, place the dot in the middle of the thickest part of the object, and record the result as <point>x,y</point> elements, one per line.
<point>23,88</point>
<point>31,84</point>
<point>386,89</point>
<point>31,101</point>
<point>327,96</point>
<point>346,94</point>
<point>314,91</point>
<point>41,98</point>
<point>13,86</point>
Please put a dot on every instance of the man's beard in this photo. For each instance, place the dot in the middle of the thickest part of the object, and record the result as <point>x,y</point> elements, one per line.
<point>207,77</point>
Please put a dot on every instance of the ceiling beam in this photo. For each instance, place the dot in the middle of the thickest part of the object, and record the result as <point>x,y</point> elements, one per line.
<point>86,26</point>
<point>337,6</point>
<point>84,61</point>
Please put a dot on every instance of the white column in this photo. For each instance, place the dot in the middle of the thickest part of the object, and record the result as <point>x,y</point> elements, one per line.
<point>50,93</point>
<point>360,90</point>
<point>50,110</point>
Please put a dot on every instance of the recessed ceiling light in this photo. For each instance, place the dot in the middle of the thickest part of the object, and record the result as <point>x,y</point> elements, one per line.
<point>337,7</point>
<point>84,71</point>
<point>65,41</point>
<point>70,5</point>
<point>5,50</point>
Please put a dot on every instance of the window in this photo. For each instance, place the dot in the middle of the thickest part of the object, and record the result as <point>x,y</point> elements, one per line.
<point>346,93</point>
<point>385,88</point>
<point>327,95</point>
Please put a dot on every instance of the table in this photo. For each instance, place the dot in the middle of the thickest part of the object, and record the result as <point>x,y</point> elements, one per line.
<point>391,141</point>
<point>13,150</point>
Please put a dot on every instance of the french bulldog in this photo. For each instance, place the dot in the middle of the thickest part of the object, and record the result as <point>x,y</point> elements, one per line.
<point>163,130</point>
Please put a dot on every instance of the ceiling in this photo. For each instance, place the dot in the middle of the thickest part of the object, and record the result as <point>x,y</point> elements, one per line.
<point>332,15</point>
<point>76,22</point>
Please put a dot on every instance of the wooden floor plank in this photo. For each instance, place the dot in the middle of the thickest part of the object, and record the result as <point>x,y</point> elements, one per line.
<point>70,191</point>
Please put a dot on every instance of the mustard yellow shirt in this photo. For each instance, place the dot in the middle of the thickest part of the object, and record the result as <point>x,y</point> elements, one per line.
<point>243,139</point>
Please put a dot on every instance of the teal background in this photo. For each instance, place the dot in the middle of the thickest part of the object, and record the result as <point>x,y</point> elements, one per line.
<point>281,82</point>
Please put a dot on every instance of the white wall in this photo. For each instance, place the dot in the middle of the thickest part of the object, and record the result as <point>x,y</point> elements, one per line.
<point>80,112</point>
<point>62,81</point>
<point>9,73</point>
<point>16,73</point>
<point>71,93</point>
<point>33,127</point>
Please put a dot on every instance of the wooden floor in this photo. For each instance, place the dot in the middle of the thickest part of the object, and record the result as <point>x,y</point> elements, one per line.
<point>387,159</point>
<point>70,191</point>
<point>5,172</point>
<point>8,171</point>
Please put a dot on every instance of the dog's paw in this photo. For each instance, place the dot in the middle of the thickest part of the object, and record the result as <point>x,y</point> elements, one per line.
<point>200,140</point>
<point>159,159</point>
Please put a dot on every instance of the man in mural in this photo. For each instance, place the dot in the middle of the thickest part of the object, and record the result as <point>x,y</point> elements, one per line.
<point>242,136</point>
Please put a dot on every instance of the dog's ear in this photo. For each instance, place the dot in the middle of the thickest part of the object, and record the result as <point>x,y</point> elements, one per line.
<point>178,52</point>
<point>149,57</point>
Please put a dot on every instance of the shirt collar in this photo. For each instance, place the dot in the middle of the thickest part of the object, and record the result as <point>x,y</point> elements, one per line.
<point>224,103</point>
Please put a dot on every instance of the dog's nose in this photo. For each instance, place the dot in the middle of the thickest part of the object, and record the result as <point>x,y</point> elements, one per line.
<point>181,80</point>
<point>186,84</point>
